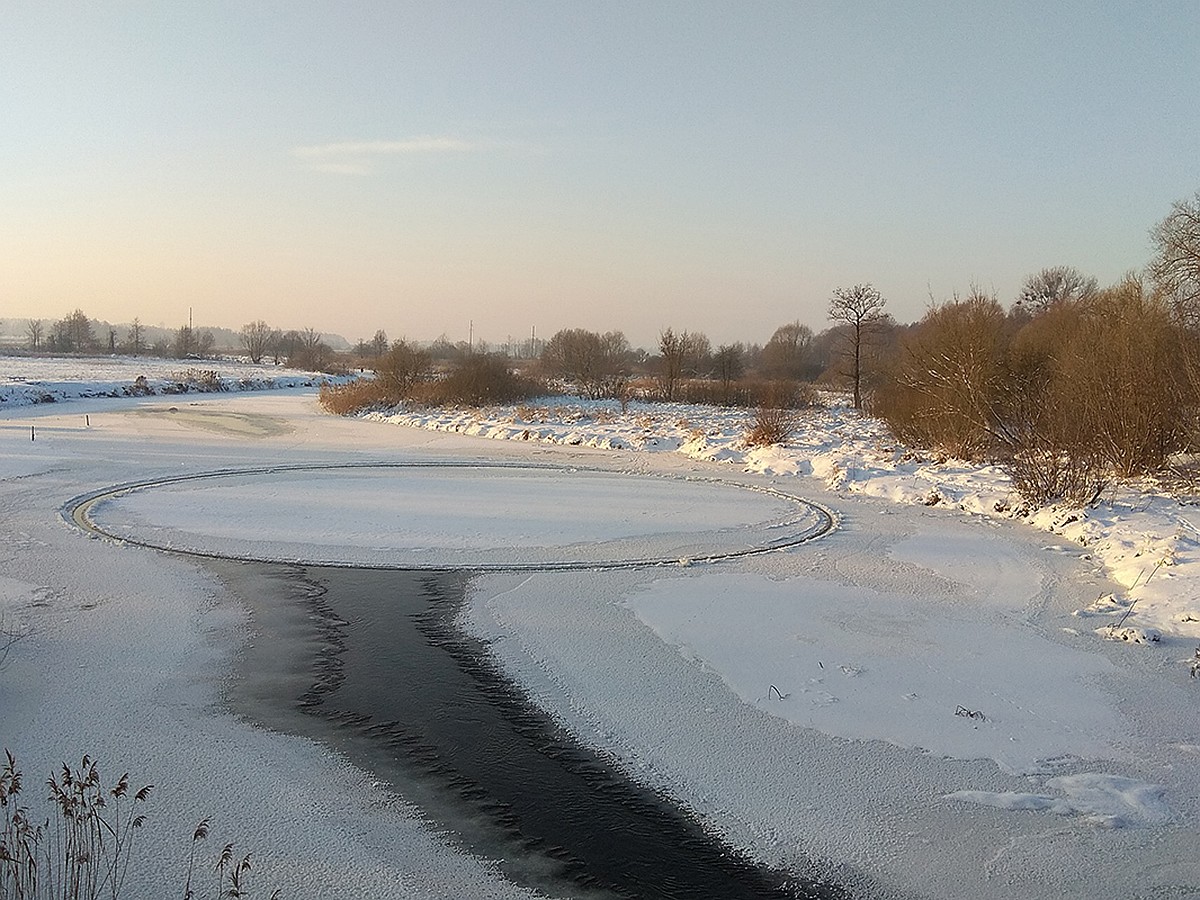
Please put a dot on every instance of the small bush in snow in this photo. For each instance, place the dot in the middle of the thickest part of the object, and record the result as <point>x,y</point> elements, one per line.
<point>479,380</point>
<point>772,425</point>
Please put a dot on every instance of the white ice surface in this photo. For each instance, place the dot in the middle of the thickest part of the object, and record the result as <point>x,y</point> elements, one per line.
<point>860,663</point>
<point>429,515</point>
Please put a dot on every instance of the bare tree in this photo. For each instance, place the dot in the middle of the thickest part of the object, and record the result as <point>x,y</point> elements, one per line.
<point>1058,284</point>
<point>729,364</point>
<point>184,344</point>
<point>308,351</point>
<point>255,338</point>
<point>379,343</point>
<point>205,343</point>
<point>595,363</point>
<point>284,347</point>
<point>786,354</point>
<point>1176,264</point>
<point>34,331</point>
<point>860,308</point>
<point>135,336</point>
<point>681,355</point>
<point>74,333</point>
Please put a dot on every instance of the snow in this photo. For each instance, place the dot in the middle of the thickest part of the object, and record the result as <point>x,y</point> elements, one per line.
<point>860,663</point>
<point>434,516</point>
<point>30,380</point>
<point>911,701</point>
<point>1104,800</point>
<point>1146,539</point>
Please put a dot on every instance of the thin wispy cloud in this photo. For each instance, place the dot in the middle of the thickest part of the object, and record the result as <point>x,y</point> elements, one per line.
<point>426,144</point>
<point>337,168</point>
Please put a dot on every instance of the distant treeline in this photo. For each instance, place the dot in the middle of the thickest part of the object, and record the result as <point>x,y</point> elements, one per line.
<point>1071,384</point>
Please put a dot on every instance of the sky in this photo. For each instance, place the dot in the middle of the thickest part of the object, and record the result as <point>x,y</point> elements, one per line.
<point>491,170</point>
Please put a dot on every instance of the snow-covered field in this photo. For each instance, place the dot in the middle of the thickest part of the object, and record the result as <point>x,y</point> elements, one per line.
<point>920,698</point>
<point>29,380</point>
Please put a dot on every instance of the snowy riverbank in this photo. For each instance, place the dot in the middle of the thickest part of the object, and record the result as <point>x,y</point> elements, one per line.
<point>1146,539</point>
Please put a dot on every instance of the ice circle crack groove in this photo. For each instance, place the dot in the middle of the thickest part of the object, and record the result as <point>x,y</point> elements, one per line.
<point>479,516</point>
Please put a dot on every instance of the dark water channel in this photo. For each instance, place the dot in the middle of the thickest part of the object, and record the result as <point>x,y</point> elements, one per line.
<point>371,663</point>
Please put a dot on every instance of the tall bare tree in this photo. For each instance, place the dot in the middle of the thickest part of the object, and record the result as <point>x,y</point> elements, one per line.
<point>308,350</point>
<point>786,354</point>
<point>1057,284</point>
<point>729,364</point>
<point>681,354</point>
<point>34,331</point>
<point>184,344</point>
<point>379,343</point>
<point>255,338</point>
<point>1176,264</point>
<point>595,363</point>
<point>861,309</point>
<point>134,337</point>
<point>74,333</point>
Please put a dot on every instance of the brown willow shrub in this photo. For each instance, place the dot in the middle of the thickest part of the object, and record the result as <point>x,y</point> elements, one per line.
<point>747,392</point>
<point>779,412</point>
<point>1121,370</point>
<point>479,380</point>
<point>350,398</point>
<point>947,377</point>
<point>399,370</point>
<point>397,375</point>
<point>1085,390</point>
<point>772,425</point>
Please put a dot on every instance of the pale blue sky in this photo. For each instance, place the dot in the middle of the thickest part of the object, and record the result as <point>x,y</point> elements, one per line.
<point>711,166</point>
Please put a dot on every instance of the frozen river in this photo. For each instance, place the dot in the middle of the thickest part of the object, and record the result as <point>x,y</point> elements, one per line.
<point>802,705</point>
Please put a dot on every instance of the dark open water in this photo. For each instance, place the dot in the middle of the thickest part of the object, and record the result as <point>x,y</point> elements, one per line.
<point>371,663</point>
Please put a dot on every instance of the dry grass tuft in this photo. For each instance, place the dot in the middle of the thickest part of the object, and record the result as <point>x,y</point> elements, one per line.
<point>84,848</point>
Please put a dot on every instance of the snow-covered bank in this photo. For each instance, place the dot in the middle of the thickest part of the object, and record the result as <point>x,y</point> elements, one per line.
<point>27,380</point>
<point>1147,540</point>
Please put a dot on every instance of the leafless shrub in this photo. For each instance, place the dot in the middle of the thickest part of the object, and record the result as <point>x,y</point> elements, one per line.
<point>349,398</point>
<point>945,381</point>
<point>772,425</point>
<point>597,365</point>
<point>477,381</point>
<point>1086,390</point>
<point>1121,367</point>
<point>778,415</point>
<point>204,380</point>
<point>140,387</point>
<point>398,371</point>
<point>1043,477</point>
